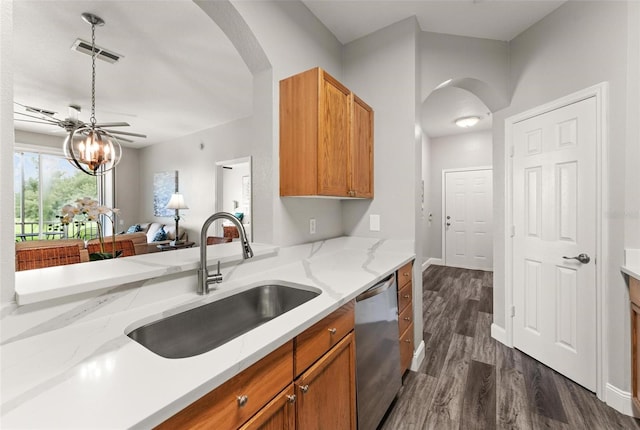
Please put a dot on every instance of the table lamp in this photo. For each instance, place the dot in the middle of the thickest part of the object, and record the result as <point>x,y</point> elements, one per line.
<point>176,202</point>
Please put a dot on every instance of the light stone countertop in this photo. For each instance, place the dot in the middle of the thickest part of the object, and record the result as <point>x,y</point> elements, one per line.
<point>67,363</point>
<point>632,263</point>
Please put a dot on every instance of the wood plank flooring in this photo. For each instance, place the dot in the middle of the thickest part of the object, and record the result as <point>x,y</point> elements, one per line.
<point>469,381</point>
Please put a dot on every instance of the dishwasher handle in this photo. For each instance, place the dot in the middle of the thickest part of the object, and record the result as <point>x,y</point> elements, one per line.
<point>377,289</point>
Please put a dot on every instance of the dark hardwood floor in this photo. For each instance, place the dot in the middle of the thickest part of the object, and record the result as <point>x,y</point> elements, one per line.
<point>470,381</point>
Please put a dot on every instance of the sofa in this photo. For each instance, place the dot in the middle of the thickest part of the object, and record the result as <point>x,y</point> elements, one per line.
<point>139,241</point>
<point>150,231</point>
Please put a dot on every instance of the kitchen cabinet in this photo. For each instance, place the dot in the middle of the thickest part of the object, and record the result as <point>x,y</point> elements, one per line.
<point>326,138</point>
<point>634,294</point>
<point>405,311</point>
<point>238,399</point>
<point>279,414</point>
<point>326,392</point>
<point>273,394</point>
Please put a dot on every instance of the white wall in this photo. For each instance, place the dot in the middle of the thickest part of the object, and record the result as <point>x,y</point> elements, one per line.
<point>446,57</point>
<point>294,41</point>
<point>380,69</point>
<point>194,157</point>
<point>632,199</point>
<point>7,254</point>
<point>427,222</point>
<point>452,152</point>
<point>128,188</point>
<point>578,45</point>
<point>232,186</point>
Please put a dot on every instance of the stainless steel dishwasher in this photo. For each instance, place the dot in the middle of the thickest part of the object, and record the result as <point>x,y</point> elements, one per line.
<point>377,352</point>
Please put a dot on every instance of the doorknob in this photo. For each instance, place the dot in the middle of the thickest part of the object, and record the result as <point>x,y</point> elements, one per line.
<point>583,258</point>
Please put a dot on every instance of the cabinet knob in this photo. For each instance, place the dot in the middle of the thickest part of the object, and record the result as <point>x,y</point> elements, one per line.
<point>291,398</point>
<point>242,400</point>
<point>304,388</point>
<point>405,274</point>
<point>407,340</point>
<point>333,330</point>
<point>406,296</point>
<point>407,318</point>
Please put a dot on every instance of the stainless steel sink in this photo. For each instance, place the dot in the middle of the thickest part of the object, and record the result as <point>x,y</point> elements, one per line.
<point>203,328</point>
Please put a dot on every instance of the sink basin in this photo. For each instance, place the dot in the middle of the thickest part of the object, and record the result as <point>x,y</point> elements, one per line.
<point>203,328</point>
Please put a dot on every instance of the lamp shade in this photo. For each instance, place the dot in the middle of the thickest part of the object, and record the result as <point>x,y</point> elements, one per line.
<point>177,202</point>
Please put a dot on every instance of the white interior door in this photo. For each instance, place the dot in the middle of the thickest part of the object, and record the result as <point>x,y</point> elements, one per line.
<point>554,213</point>
<point>468,219</point>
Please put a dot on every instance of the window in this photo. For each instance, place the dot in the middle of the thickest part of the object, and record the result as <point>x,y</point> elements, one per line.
<point>43,183</point>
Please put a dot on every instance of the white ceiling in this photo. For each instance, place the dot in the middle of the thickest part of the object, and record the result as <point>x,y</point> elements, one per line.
<point>498,20</point>
<point>180,74</point>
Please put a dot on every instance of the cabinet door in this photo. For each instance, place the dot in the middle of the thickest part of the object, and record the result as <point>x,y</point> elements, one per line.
<point>634,293</point>
<point>279,414</point>
<point>361,150</point>
<point>333,138</point>
<point>326,393</point>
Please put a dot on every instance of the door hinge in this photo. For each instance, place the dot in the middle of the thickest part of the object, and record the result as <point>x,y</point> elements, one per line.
<point>513,230</point>
<point>513,311</point>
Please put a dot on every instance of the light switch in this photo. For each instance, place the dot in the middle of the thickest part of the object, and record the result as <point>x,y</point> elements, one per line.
<point>374,222</point>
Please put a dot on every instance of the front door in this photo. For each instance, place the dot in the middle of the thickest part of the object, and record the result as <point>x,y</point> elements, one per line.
<point>554,243</point>
<point>468,226</point>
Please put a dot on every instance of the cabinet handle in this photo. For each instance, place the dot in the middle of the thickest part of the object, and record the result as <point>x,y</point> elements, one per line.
<point>407,318</point>
<point>291,398</point>
<point>304,388</point>
<point>242,400</point>
<point>406,296</point>
<point>333,330</point>
<point>408,340</point>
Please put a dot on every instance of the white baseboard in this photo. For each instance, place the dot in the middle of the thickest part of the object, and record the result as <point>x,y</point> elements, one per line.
<point>430,261</point>
<point>499,334</point>
<point>418,357</point>
<point>619,400</point>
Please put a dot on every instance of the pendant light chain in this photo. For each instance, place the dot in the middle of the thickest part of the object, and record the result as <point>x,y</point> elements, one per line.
<point>93,75</point>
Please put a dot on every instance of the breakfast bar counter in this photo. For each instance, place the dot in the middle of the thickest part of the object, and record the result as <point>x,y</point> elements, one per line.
<point>67,361</point>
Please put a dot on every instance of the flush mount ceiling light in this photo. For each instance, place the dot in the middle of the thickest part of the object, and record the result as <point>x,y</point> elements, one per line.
<point>467,121</point>
<point>90,148</point>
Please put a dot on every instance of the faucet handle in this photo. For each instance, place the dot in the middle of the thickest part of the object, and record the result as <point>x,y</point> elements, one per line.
<point>216,277</point>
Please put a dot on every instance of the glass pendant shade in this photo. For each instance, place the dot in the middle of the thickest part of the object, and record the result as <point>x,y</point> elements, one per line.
<point>92,150</point>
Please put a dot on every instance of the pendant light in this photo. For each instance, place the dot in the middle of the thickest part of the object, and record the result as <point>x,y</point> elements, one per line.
<point>90,148</point>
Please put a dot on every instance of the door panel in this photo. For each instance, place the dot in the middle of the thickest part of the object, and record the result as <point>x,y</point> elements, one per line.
<point>554,212</point>
<point>468,228</point>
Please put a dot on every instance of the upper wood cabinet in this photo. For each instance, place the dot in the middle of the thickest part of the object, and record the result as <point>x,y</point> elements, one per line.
<point>326,138</point>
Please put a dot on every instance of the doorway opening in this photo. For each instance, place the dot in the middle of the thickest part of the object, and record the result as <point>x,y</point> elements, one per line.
<point>233,195</point>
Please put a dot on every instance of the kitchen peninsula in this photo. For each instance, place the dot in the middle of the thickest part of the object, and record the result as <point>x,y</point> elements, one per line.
<point>67,361</point>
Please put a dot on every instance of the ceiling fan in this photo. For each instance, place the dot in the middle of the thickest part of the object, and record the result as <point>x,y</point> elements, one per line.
<point>71,123</point>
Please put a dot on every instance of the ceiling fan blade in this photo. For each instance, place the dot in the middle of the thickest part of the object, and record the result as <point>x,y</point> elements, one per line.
<point>126,133</point>
<point>122,139</point>
<point>45,112</point>
<point>43,119</point>
<point>30,120</point>
<point>113,124</point>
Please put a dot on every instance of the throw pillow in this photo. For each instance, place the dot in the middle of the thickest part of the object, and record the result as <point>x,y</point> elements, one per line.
<point>160,235</point>
<point>134,228</point>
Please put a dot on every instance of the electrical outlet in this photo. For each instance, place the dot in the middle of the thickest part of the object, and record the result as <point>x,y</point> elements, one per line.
<point>374,222</point>
<point>312,226</point>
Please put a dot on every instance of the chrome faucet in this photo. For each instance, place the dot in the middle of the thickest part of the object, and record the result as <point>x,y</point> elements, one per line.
<point>204,279</point>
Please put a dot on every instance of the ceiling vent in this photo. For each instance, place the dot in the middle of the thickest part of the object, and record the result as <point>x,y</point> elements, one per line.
<point>101,53</point>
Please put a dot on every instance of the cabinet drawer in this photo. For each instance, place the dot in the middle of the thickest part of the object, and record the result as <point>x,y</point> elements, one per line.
<point>319,338</point>
<point>221,407</point>
<point>405,319</point>
<point>405,296</point>
<point>404,274</point>
<point>406,348</point>
<point>634,290</point>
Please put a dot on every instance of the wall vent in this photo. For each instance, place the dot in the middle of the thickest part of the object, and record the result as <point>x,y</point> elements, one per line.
<point>102,53</point>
